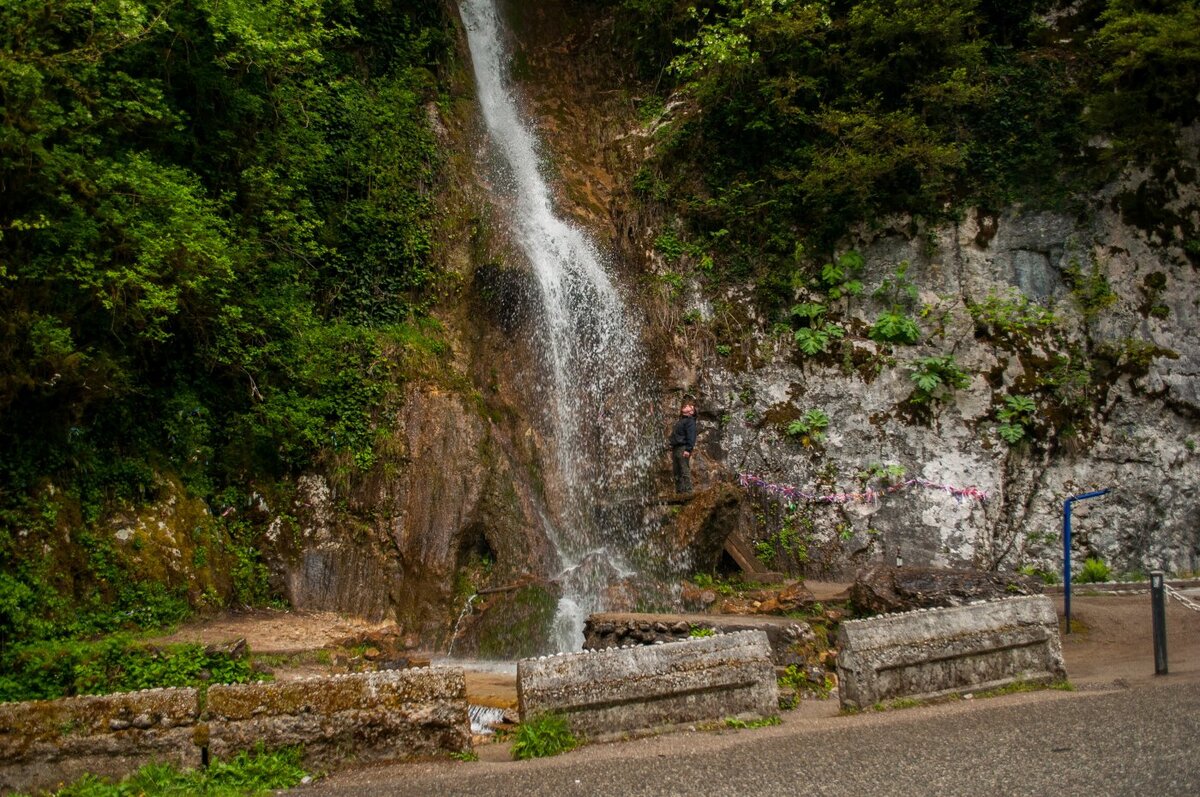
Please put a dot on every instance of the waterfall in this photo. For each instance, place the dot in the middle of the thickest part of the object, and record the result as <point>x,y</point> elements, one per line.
<point>596,410</point>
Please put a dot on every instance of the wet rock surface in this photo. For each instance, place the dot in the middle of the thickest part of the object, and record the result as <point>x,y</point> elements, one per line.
<point>884,589</point>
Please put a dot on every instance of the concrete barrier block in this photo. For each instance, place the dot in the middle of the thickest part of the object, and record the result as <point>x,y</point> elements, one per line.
<point>44,743</point>
<point>617,690</point>
<point>934,652</point>
<point>374,716</point>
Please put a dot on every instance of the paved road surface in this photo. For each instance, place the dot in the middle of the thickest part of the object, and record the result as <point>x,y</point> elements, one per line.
<point>1143,740</point>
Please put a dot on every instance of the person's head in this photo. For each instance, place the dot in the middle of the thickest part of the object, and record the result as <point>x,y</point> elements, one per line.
<point>688,408</point>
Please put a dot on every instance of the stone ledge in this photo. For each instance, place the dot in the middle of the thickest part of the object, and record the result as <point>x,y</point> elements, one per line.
<point>638,687</point>
<point>930,653</point>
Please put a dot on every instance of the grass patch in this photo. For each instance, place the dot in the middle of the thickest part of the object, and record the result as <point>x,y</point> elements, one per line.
<point>1016,687</point>
<point>248,773</point>
<point>543,736</point>
<point>764,722</point>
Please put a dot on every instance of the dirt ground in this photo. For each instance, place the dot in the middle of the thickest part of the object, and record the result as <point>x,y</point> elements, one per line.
<point>1110,646</point>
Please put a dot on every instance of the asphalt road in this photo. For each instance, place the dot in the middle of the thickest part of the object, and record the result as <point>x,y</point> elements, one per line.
<point>1143,741</point>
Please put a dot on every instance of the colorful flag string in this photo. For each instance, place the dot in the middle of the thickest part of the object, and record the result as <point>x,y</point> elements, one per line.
<point>869,495</point>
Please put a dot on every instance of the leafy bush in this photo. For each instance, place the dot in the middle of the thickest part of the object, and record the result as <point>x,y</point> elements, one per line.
<point>48,670</point>
<point>1094,572</point>
<point>541,736</point>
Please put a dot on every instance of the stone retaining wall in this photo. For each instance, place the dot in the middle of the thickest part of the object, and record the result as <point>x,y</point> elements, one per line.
<point>935,652</point>
<point>788,637</point>
<point>47,742</point>
<point>643,687</point>
<point>390,714</point>
<point>370,716</point>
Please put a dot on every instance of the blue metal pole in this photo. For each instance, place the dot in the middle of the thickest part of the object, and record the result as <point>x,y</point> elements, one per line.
<point>1067,560</point>
<point>1067,546</point>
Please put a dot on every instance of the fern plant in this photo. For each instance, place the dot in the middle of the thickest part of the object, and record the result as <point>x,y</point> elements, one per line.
<point>810,427</point>
<point>937,378</point>
<point>1016,418</point>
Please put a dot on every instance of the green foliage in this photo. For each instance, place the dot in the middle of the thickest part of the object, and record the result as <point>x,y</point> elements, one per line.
<point>256,772</point>
<point>1011,315</point>
<point>1046,576</point>
<point>810,427</point>
<point>215,235</point>
<point>1016,418</point>
<point>1091,290</point>
<point>818,334</point>
<point>47,670</point>
<point>840,277</point>
<point>1094,572</point>
<point>761,722</point>
<point>699,632</point>
<point>891,473</point>
<point>1148,56</point>
<point>542,736</point>
<point>814,117</point>
<point>937,378</point>
<point>893,326</point>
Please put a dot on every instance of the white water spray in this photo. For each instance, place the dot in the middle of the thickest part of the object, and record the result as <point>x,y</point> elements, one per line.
<point>597,412</point>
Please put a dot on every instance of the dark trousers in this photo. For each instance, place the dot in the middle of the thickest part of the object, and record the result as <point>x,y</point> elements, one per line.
<point>681,466</point>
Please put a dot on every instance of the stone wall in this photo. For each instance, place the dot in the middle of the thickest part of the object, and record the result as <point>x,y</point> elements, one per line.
<point>934,652</point>
<point>788,638</point>
<point>47,742</point>
<point>369,716</point>
<point>391,714</point>
<point>643,687</point>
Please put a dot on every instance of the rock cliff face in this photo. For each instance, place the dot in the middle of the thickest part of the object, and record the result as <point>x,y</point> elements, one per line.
<point>1091,315</point>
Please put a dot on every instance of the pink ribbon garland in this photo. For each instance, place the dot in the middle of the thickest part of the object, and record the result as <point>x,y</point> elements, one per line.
<point>869,495</point>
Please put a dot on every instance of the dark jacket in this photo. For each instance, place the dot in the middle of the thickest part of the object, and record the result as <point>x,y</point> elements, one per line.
<point>684,432</point>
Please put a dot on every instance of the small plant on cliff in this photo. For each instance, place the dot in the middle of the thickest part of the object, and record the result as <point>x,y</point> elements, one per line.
<point>1010,315</point>
<point>937,378</point>
<point>840,277</point>
<point>699,632</point>
<point>895,325</point>
<point>1016,418</point>
<point>816,334</point>
<point>810,427</point>
<point>541,736</point>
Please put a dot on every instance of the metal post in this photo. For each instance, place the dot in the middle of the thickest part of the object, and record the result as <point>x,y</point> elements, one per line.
<point>1158,611</point>
<point>1067,560</point>
<point>1067,546</point>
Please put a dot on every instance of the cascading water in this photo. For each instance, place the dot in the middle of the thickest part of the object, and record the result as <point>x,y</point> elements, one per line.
<point>596,408</point>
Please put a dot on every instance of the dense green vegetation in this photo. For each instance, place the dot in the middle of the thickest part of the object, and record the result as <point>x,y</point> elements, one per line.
<point>247,773</point>
<point>215,233</point>
<point>804,119</point>
<point>46,670</point>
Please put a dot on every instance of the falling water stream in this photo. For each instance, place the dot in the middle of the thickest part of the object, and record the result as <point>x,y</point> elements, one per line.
<point>594,403</point>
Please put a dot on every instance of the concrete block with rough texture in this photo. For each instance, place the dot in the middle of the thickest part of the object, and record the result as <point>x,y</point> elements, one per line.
<point>374,716</point>
<point>44,743</point>
<point>934,652</point>
<point>644,687</point>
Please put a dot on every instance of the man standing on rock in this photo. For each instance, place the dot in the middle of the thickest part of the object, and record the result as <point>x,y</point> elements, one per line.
<point>683,440</point>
